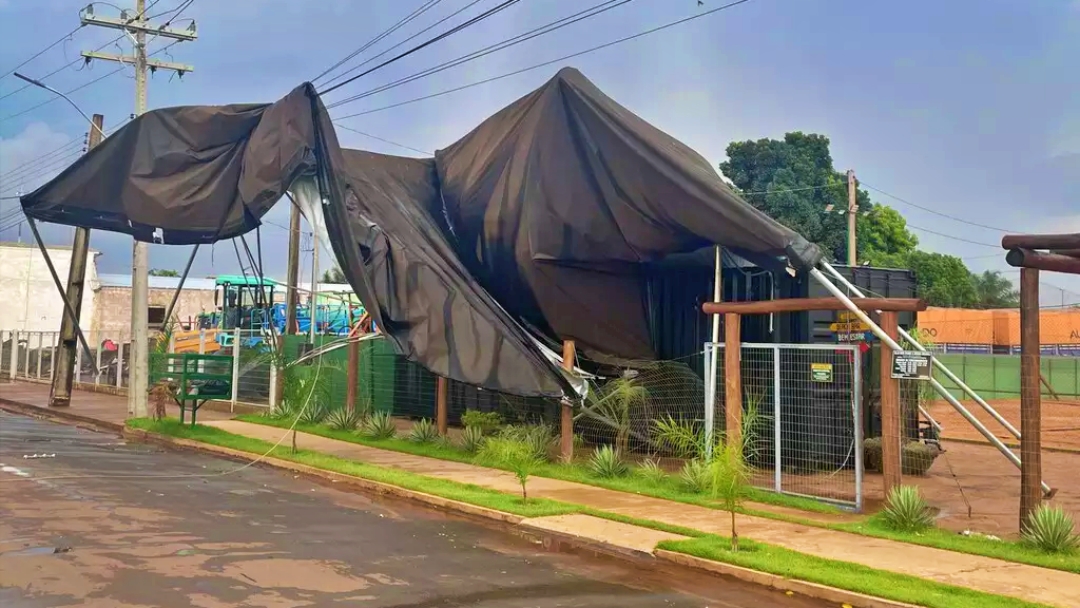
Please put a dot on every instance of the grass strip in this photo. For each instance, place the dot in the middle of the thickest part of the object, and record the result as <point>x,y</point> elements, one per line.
<point>757,556</point>
<point>1017,552</point>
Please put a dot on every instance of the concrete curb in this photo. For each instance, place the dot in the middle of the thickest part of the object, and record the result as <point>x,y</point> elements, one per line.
<point>775,581</point>
<point>519,524</point>
<point>58,415</point>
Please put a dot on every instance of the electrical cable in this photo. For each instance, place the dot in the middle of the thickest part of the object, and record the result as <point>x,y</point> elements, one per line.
<point>393,143</point>
<point>33,162</point>
<point>450,32</point>
<point>935,212</point>
<point>955,238</point>
<point>542,30</point>
<point>393,28</point>
<point>42,51</point>
<point>59,69</point>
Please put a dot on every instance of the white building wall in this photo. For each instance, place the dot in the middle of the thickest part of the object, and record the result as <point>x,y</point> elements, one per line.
<point>29,300</point>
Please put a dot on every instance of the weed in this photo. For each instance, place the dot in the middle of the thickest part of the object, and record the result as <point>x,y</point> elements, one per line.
<point>515,455</point>
<point>606,462</point>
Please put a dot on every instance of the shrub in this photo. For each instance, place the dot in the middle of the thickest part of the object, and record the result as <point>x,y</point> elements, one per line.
<point>1051,530</point>
<point>344,419</point>
<point>695,476</point>
<point>379,426</point>
<point>487,422</point>
<point>540,438</point>
<point>906,510</point>
<point>512,454</point>
<point>916,457</point>
<point>606,462</point>
<point>650,471</point>
<point>313,413</point>
<point>472,439</point>
<point>424,431</point>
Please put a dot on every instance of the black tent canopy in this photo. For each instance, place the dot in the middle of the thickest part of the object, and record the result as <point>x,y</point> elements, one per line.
<point>542,216</point>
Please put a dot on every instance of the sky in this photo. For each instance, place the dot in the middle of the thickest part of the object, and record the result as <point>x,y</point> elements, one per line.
<point>970,108</point>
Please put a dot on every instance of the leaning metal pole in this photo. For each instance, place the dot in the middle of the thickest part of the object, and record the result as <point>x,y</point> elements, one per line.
<point>938,364</point>
<point>180,287</point>
<point>887,340</point>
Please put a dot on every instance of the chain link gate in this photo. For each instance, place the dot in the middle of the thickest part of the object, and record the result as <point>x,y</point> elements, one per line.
<point>807,430</point>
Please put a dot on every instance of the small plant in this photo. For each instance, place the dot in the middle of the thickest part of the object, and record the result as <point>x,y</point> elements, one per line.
<point>515,455</point>
<point>606,462</point>
<point>540,438</point>
<point>1051,530</point>
<point>472,439</point>
<point>344,419</point>
<point>313,413</point>
<point>487,422</point>
<point>651,471</point>
<point>424,431</point>
<point>695,476</point>
<point>612,405</point>
<point>379,426</point>
<point>906,510</point>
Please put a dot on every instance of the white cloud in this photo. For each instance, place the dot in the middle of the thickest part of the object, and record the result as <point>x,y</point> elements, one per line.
<point>20,167</point>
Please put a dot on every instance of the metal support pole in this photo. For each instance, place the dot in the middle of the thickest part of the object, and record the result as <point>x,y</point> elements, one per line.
<point>14,354</point>
<point>887,340</point>
<point>26,357</point>
<point>777,427</point>
<point>120,364</point>
<point>180,287</point>
<point>235,398</point>
<point>40,347</point>
<point>713,364</point>
<point>856,413</point>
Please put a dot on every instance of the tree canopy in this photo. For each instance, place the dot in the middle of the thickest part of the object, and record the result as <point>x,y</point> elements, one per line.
<point>992,290</point>
<point>334,275</point>
<point>163,272</point>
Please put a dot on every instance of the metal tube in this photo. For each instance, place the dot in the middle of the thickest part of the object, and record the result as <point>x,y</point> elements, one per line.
<point>887,340</point>
<point>777,427</point>
<point>714,361</point>
<point>179,287</point>
<point>857,415</point>
<point>937,364</point>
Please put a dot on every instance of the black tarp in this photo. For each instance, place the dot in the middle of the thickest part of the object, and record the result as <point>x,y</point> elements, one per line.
<point>542,216</point>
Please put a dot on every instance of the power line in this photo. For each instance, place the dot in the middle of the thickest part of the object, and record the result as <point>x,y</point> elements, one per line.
<point>450,32</point>
<point>955,238</point>
<point>384,140</point>
<point>36,161</point>
<point>53,165</point>
<point>935,212</point>
<point>393,28</point>
<point>547,28</point>
<point>547,63</point>
<point>42,51</point>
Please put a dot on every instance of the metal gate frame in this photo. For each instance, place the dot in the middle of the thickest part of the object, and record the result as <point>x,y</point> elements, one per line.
<point>714,349</point>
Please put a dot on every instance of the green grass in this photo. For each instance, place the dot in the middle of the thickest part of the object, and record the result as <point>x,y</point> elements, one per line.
<point>758,556</point>
<point>668,489</point>
<point>842,575</point>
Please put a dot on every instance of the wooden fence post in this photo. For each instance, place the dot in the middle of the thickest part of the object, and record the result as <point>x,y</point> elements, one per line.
<point>891,446</point>
<point>566,426</point>
<point>1030,397</point>
<point>352,376</point>
<point>441,390</point>
<point>732,377</point>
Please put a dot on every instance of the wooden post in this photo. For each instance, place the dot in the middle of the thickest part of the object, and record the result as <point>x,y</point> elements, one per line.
<point>1030,396</point>
<point>441,390</point>
<point>352,376</point>
<point>566,426</point>
<point>890,410</point>
<point>732,377</point>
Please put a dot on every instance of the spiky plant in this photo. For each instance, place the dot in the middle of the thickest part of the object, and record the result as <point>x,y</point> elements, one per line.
<point>424,431</point>
<point>313,412</point>
<point>1051,530</point>
<point>379,426</point>
<point>606,462</point>
<point>540,438</point>
<point>651,471</point>
<point>906,510</point>
<point>695,476</point>
<point>512,454</point>
<point>344,419</point>
<point>472,439</point>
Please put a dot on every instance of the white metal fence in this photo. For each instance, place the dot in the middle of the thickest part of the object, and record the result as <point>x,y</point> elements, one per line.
<point>801,410</point>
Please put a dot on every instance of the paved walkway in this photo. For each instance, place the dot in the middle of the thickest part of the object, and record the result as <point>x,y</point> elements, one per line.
<point>1031,583</point>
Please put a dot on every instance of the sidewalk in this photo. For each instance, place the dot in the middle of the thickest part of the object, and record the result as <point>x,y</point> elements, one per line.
<point>1020,581</point>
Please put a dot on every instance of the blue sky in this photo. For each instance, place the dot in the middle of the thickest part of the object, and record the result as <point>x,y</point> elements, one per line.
<point>971,108</point>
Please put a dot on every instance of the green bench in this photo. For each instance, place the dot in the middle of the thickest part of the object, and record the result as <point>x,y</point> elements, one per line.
<point>194,379</point>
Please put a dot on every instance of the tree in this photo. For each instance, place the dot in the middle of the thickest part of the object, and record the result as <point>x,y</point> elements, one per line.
<point>162,272</point>
<point>943,280</point>
<point>992,290</point>
<point>334,275</point>
<point>793,181</point>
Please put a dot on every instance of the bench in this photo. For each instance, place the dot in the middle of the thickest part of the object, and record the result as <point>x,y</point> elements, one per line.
<point>194,379</point>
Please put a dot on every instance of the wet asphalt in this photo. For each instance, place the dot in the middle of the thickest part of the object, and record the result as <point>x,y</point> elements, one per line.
<point>189,530</point>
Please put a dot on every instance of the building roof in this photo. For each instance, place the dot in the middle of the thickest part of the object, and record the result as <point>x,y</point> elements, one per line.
<point>30,245</point>
<point>124,280</point>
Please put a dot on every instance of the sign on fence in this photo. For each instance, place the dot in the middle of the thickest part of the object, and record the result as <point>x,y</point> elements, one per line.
<point>821,372</point>
<point>911,365</point>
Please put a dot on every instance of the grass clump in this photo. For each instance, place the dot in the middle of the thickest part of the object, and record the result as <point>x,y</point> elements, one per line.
<point>1050,529</point>
<point>906,510</point>
<point>380,426</point>
<point>606,462</point>
<point>424,431</point>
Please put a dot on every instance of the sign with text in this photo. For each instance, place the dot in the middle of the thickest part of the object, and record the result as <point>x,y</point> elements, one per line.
<point>821,372</point>
<point>911,365</point>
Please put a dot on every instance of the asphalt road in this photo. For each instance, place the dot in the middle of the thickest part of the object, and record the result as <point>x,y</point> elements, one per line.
<point>73,532</point>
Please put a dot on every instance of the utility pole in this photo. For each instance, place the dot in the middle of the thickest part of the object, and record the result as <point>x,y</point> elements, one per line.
<point>292,296</point>
<point>60,394</point>
<point>136,26</point>
<point>852,211</point>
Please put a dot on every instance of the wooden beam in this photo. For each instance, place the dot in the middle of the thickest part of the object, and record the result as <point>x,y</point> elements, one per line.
<point>767,307</point>
<point>1026,258</point>
<point>1030,397</point>
<point>1040,241</point>
<point>566,422</point>
<point>442,388</point>
<point>891,442</point>
<point>1072,253</point>
<point>732,377</point>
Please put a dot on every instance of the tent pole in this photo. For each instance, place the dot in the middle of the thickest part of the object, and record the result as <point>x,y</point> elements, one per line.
<point>887,341</point>
<point>63,295</point>
<point>180,287</point>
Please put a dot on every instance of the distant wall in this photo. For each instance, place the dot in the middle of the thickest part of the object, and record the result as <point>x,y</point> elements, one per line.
<point>112,316</point>
<point>29,300</point>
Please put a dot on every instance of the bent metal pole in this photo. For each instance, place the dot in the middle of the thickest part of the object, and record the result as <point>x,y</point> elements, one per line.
<point>938,364</point>
<point>888,341</point>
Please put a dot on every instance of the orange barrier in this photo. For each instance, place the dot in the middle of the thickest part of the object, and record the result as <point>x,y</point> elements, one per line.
<point>1000,327</point>
<point>188,341</point>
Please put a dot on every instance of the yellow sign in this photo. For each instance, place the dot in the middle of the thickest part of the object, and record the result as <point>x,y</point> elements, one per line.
<point>846,315</point>
<point>849,327</point>
<point>821,372</point>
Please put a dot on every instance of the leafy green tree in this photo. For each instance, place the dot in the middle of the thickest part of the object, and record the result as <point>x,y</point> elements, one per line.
<point>943,280</point>
<point>334,275</point>
<point>163,272</point>
<point>992,290</point>
<point>884,236</point>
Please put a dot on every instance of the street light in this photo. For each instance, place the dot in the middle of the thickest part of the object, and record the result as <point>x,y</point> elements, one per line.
<point>39,84</point>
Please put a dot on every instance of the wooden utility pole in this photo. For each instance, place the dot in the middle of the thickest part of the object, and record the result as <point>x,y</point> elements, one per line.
<point>292,277</point>
<point>137,27</point>
<point>566,421</point>
<point>891,443</point>
<point>64,367</point>
<point>852,214</point>
<point>1030,397</point>
<point>441,390</point>
<point>733,377</point>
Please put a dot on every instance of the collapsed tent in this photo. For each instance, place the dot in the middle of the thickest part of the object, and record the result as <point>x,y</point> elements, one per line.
<point>541,217</point>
